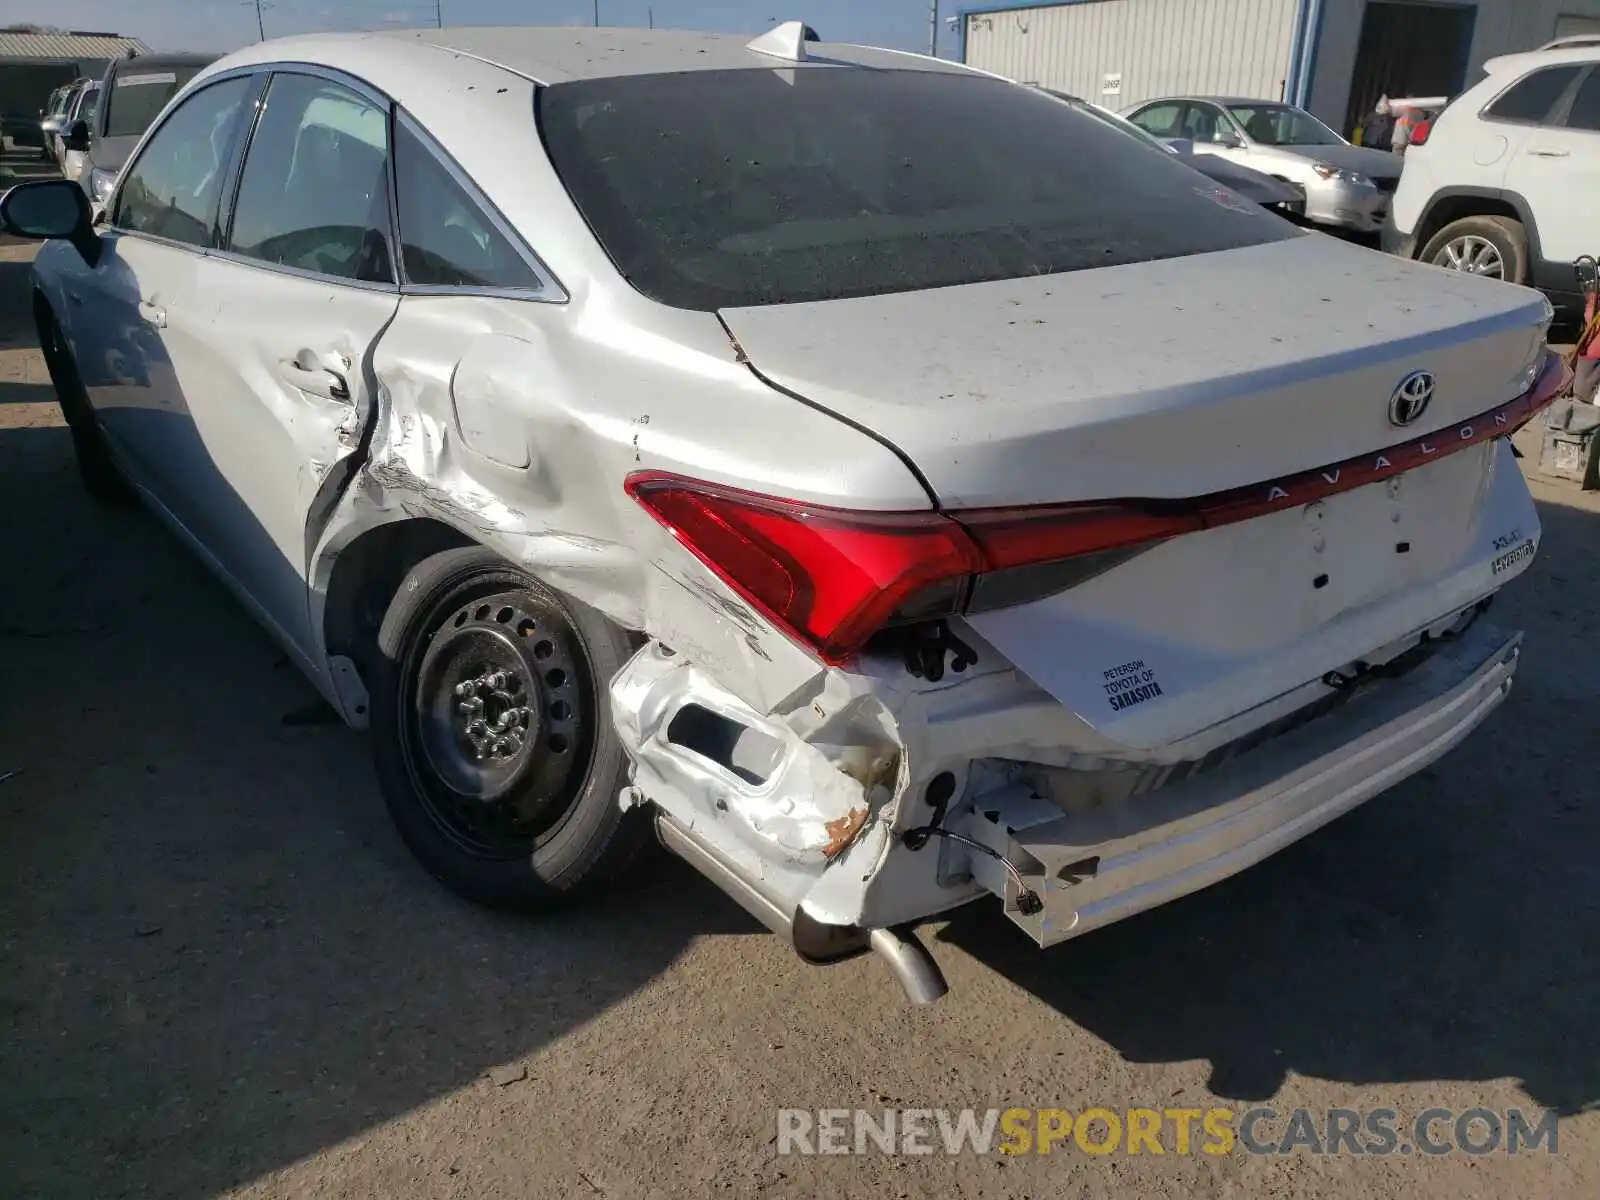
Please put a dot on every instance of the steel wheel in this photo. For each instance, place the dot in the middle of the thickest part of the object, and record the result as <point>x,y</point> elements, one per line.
<point>1472,255</point>
<point>499,724</point>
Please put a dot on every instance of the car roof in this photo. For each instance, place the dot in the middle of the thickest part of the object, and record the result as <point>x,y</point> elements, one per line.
<point>553,55</point>
<point>141,62</point>
<point>1223,100</point>
<point>1572,41</point>
<point>1529,59</point>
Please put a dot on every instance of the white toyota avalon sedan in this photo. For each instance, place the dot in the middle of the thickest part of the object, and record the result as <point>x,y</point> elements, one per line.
<point>880,482</point>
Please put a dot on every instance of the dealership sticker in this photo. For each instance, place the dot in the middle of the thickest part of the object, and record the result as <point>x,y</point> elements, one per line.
<point>1130,684</point>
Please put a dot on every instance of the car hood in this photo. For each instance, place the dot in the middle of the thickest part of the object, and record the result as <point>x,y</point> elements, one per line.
<point>1378,164</point>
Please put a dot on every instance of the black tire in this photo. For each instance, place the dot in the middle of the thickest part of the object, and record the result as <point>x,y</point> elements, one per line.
<point>1506,236</point>
<point>513,805</point>
<point>99,473</point>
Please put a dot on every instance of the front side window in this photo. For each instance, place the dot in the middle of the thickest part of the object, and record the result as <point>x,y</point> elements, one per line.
<point>1534,99</point>
<point>139,94</point>
<point>171,189</point>
<point>447,240</point>
<point>1205,123</point>
<point>1585,112</point>
<point>714,189</point>
<point>1282,125</point>
<point>314,194</point>
<point>87,105</point>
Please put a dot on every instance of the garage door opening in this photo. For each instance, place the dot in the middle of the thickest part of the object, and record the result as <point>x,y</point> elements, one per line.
<point>1409,50</point>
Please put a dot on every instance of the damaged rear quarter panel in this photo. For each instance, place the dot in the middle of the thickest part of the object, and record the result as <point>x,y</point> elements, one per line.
<point>562,402</point>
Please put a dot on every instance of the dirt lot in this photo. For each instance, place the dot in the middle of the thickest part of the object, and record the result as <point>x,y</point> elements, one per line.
<point>221,973</point>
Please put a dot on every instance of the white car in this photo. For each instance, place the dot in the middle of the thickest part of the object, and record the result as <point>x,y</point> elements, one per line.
<point>1504,185</point>
<point>888,484</point>
<point>1346,186</point>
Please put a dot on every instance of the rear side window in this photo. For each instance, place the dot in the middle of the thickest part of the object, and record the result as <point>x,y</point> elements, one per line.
<point>172,187</point>
<point>447,239</point>
<point>1161,120</point>
<point>1533,99</point>
<point>314,194</point>
<point>1585,112</point>
<point>714,189</point>
<point>138,95</point>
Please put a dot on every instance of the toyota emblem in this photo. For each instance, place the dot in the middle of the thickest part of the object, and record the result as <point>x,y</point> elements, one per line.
<point>1411,398</point>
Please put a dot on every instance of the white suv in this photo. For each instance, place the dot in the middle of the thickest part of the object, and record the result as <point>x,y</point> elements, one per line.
<point>1505,183</point>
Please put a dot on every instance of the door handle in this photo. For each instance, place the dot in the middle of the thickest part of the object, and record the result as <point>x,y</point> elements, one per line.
<point>1550,153</point>
<point>305,373</point>
<point>154,313</point>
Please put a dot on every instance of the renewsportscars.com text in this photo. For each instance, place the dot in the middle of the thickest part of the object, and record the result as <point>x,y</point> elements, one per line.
<point>1262,1130</point>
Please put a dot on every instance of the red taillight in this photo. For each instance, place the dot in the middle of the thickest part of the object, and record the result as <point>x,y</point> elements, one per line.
<point>829,577</point>
<point>1025,537</point>
<point>1420,132</point>
<point>833,577</point>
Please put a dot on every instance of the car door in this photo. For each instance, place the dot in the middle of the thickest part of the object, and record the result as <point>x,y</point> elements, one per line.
<point>1527,120</point>
<point>1556,168</point>
<point>295,302</point>
<point>135,333</point>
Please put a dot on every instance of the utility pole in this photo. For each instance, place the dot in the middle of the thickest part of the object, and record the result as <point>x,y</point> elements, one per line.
<point>652,13</point>
<point>933,29</point>
<point>597,14</point>
<point>438,14</point>
<point>261,27</point>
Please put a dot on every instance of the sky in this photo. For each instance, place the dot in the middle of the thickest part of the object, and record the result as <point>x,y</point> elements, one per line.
<point>228,24</point>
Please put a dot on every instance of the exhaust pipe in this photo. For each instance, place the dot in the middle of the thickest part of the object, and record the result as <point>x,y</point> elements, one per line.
<point>913,966</point>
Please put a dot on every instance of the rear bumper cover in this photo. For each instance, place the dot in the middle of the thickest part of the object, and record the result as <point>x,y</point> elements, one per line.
<point>1091,869</point>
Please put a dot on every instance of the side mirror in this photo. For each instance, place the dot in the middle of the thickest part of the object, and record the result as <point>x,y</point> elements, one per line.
<point>51,210</point>
<point>76,138</point>
<point>1229,140</point>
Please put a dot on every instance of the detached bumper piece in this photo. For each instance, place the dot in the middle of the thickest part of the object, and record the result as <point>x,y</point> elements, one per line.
<point>1067,874</point>
<point>1571,448</point>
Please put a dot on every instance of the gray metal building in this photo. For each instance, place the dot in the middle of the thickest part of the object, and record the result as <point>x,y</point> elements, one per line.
<point>32,65</point>
<point>1335,57</point>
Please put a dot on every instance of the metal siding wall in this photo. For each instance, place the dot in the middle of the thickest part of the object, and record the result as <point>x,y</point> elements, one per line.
<point>1161,47</point>
<point>1503,27</point>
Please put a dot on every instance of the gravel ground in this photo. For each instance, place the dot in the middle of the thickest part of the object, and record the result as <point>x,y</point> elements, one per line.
<point>221,973</point>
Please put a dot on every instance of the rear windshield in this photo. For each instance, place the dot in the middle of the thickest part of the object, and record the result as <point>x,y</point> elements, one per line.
<point>139,93</point>
<point>720,189</point>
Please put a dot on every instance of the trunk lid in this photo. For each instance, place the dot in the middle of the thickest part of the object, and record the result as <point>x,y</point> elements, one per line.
<point>1180,379</point>
<point>1163,379</point>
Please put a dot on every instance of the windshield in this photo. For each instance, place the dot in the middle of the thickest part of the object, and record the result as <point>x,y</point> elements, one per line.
<point>1281,125</point>
<point>87,105</point>
<point>716,189</point>
<point>138,96</point>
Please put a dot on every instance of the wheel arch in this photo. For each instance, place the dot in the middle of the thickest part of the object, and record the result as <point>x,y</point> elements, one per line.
<point>1456,203</point>
<point>364,575</point>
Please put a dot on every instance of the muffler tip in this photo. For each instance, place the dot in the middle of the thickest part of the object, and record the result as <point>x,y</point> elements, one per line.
<point>912,964</point>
